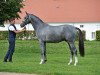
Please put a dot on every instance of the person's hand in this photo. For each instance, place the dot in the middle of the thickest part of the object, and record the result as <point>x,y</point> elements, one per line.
<point>24,29</point>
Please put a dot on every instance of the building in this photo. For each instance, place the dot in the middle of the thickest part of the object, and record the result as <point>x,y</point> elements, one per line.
<point>84,14</point>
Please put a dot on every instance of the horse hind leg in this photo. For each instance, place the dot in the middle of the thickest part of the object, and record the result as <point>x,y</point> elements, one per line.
<point>73,52</point>
<point>76,58</point>
<point>71,58</point>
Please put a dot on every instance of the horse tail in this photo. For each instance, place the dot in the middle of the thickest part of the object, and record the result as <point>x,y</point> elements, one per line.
<point>81,43</point>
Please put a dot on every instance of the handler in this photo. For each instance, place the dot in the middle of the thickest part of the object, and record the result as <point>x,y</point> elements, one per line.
<point>11,39</point>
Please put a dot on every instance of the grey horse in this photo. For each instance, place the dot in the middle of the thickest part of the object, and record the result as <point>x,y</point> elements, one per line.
<point>54,34</point>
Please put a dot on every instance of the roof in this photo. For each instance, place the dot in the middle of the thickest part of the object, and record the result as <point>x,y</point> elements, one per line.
<point>63,10</point>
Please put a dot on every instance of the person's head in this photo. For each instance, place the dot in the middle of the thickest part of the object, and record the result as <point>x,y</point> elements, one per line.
<point>12,21</point>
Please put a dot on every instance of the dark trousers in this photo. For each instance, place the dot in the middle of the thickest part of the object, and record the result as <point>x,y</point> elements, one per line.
<point>11,49</point>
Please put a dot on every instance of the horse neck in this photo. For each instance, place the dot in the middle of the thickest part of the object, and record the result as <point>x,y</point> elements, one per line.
<point>37,24</point>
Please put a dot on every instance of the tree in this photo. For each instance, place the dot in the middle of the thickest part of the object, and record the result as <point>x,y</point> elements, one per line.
<point>9,9</point>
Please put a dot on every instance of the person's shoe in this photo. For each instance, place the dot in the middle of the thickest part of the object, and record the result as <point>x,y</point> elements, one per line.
<point>10,61</point>
<point>5,60</point>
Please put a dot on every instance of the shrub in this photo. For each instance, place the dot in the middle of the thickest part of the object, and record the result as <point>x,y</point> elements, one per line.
<point>98,35</point>
<point>3,35</point>
<point>84,34</point>
<point>26,35</point>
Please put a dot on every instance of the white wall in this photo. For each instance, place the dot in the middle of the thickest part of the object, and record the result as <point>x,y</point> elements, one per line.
<point>90,29</point>
<point>28,27</point>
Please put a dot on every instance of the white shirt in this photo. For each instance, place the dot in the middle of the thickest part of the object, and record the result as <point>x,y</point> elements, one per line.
<point>11,28</point>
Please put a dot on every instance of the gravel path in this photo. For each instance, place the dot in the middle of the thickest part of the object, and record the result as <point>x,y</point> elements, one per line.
<point>8,73</point>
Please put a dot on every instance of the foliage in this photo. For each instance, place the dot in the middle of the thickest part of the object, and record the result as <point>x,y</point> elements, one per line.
<point>3,35</point>
<point>98,35</point>
<point>26,35</point>
<point>9,9</point>
<point>27,57</point>
<point>84,35</point>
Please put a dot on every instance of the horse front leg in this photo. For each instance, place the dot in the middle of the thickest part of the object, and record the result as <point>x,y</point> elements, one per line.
<point>43,52</point>
<point>76,58</point>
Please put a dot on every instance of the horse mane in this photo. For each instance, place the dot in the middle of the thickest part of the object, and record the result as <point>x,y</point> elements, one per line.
<point>37,18</point>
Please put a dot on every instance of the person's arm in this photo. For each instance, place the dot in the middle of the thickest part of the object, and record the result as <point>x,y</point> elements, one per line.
<point>18,31</point>
<point>11,28</point>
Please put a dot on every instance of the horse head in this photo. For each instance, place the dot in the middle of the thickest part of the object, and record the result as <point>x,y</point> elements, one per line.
<point>26,21</point>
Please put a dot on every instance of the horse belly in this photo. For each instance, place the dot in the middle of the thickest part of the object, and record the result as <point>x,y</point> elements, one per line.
<point>54,38</point>
<point>53,34</point>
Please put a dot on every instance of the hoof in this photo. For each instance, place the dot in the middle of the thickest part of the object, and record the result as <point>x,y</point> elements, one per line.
<point>43,62</point>
<point>75,64</point>
<point>69,63</point>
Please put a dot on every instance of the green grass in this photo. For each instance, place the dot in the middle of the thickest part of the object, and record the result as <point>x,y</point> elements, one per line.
<point>27,57</point>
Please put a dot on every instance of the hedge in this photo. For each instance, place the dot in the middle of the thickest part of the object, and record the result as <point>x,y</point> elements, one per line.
<point>3,35</point>
<point>98,35</point>
<point>84,35</point>
<point>22,35</point>
<point>26,35</point>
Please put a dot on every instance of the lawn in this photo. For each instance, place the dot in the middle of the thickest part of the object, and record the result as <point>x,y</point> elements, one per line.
<point>27,57</point>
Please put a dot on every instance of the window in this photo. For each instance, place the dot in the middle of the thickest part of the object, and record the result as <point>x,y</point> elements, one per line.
<point>81,26</point>
<point>98,27</point>
<point>93,35</point>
